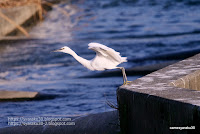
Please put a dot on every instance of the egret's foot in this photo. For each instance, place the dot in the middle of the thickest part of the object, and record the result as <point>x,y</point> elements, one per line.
<point>127,82</point>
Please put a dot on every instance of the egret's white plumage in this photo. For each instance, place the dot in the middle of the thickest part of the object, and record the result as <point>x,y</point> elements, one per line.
<point>106,58</point>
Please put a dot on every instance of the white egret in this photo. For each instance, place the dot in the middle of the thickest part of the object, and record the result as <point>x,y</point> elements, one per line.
<point>106,58</point>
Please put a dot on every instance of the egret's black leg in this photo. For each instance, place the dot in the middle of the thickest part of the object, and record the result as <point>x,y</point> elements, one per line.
<point>124,76</point>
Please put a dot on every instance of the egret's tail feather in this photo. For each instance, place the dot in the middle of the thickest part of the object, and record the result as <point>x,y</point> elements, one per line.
<point>124,59</point>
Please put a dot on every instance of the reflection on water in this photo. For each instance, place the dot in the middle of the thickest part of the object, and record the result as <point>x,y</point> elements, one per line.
<point>136,28</point>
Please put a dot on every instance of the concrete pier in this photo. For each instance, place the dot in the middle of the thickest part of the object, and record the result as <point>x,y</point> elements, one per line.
<point>5,95</point>
<point>23,95</point>
<point>164,102</point>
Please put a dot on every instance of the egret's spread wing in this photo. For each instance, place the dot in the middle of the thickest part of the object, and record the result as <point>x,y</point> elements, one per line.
<point>106,52</point>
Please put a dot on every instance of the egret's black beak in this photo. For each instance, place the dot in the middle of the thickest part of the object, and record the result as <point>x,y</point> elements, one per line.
<point>58,50</point>
<point>55,50</point>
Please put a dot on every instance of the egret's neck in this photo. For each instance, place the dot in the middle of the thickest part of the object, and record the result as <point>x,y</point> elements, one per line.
<point>84,62</point>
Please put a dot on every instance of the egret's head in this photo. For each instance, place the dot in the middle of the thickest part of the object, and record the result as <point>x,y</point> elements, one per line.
<point>64,49</point>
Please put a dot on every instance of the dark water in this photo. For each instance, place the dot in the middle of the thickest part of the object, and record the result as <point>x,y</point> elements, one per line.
<point>135,28</point>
